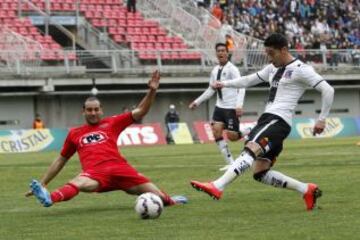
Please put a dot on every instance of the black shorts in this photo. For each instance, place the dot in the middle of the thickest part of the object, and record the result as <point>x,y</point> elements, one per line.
<point>270,132</point>
<point>228,117</point>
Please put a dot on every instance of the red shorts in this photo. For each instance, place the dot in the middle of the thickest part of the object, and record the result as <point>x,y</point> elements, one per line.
<point>115,176</point>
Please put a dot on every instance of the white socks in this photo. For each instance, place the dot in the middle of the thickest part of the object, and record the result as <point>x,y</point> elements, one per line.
<point>278,179</point>
<point>271,177</point>
<point>225,151</point>
<point>238,167</point>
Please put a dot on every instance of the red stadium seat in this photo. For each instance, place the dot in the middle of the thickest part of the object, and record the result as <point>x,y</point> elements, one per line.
<point>118,38</point>
<point>165,56</point>
<point>112,22</point>
<point>167,46</point>
<point>151,38</point>
<point>143,38</point>
<point>150,46</point>
<point>159,46</point>
<point>113,30</point>
<point>48,39</point>
<point>141,46</point>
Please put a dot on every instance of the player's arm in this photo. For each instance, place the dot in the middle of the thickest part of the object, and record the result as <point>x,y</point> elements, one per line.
<point>308,75</point>
<point>207,94</point>
<point>246,81</point>
<point>144,106</point>
<point>241,82</point>
<point>52,172</point>
<point>327,98</point>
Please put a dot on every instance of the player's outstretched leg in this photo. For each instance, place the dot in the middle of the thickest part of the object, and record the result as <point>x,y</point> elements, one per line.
<point>171,200</point>
<point>41,193</point>
<point>207,187</point>
<point>309,191</point>
<point>179,199</point>
<point>311,195</point>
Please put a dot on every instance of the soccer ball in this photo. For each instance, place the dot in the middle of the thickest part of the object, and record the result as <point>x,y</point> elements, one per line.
<point>149,206</point>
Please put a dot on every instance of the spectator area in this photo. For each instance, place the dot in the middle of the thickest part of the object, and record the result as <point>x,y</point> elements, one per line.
<point>309,24</point>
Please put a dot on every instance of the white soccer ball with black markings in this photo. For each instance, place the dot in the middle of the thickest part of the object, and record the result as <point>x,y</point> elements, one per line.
<point>149,206</point>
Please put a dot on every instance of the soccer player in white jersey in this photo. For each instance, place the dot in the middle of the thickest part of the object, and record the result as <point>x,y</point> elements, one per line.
<point>229,103</point>
<point>288,78</point>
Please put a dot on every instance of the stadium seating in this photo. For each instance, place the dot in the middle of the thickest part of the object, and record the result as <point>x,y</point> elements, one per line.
<point>134,31</point>
<point>126,28</point>
<point>52,50</point>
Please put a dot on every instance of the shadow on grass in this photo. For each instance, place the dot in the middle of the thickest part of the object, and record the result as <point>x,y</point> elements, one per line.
<point>88,210</point>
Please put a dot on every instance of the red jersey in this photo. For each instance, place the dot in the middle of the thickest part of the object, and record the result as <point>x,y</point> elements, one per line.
<point>97,144</point>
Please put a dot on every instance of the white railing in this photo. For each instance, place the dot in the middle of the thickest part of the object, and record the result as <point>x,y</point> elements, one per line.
<point>46,16</point>
<point>22,53</point>
<point>93,61</point>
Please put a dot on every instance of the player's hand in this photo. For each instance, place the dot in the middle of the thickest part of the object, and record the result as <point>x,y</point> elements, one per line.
<point>217,85</point>
<point>155,80</point>
<point>239,112</point>
<point>319,127</point>
<point>192,105</point>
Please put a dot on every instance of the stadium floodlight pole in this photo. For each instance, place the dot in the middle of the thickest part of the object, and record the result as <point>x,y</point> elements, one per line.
<point>94,90</point>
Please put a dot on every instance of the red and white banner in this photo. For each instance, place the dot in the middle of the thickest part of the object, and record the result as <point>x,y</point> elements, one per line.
<point>142,134</point>
<point>203,131</point>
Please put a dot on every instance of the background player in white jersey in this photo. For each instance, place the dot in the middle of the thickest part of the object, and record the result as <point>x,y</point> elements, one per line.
<point>229,103</point>
<point>288,78</point>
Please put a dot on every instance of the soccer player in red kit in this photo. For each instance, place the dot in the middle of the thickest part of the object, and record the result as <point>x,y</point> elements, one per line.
<point>103,168</point>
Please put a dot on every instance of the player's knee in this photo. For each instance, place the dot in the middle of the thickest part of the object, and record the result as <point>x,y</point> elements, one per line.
<point>259,175</point>
<point>254,148</point>
<point>85,184</point>
<point>233,136</point>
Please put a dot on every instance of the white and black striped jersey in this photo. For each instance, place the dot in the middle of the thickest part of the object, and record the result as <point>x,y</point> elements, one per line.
<point>287,85</point>
<point>228,98</point>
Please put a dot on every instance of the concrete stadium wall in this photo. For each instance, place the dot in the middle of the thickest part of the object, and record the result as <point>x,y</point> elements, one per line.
<point>65,111</point>
<point>16,112</point>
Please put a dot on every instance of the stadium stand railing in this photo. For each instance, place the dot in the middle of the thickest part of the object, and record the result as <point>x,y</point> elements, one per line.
<point>146,42</point>
<point>21,55</point>
<point>337,61</point>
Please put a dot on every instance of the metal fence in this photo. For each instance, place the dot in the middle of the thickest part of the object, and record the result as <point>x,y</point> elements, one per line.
<point>22,55</point>
<point>117,61</point>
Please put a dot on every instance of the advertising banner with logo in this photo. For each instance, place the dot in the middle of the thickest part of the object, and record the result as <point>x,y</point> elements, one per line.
<point>204,133</point>
<point>21,141</point>
<point>142,134</point>
<point>335,127</point>
<point>358,124</point>
<point>180,133</point>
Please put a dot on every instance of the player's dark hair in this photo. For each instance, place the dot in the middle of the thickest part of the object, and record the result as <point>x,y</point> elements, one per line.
<point>90,99</point>
<point>221,45</point>
<point>276,40</point>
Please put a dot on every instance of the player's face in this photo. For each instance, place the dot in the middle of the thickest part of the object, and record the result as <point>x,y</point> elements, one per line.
<point>92,112</point>
<point>276,56</point>
<point>221,54</point>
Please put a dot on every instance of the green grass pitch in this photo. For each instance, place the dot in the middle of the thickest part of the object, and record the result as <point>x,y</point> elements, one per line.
<point>248,210</point>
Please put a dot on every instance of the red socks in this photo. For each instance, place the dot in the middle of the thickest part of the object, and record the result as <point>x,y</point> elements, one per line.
<point>167,199</point>
<point>66,192</point>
